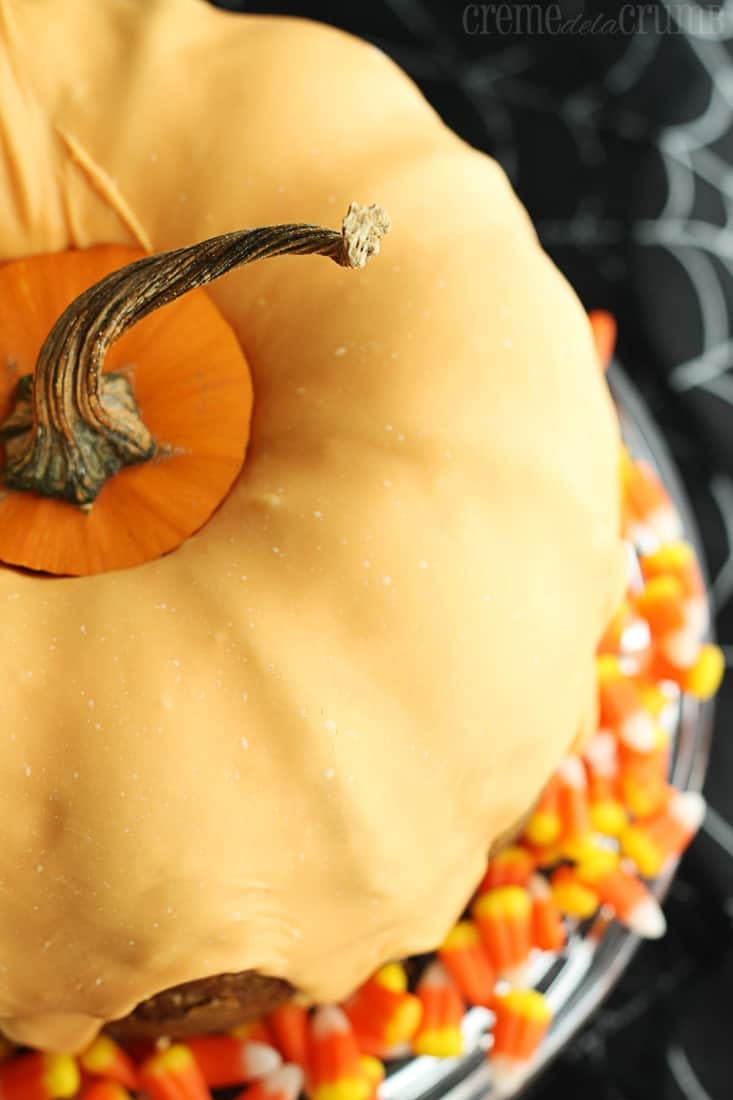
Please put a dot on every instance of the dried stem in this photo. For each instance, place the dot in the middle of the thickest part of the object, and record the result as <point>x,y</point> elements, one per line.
<point>73,426</point>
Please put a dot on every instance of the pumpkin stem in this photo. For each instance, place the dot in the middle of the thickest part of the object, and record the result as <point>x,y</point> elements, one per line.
<point>72,426</point>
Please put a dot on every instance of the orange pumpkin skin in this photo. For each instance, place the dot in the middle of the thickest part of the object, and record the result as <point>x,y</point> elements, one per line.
<point>288,745</point>
<point>198,418</point>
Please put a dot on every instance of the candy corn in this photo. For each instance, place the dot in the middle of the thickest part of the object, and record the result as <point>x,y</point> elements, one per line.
<point>467,961</point>
<point>675,567</point>
<point>660,604</point>
<point>39,1077</point>
<point>653,697</point>
<point>703,678</point>
<point>650,844</point>
<point>621,706</point>
<point>600,755</point>
<point>573,897</point>
<point>676,559</point>
<point>643,778</point>
<point>102,1089</point>
<point>334,1061</point>
<point>284,1083</point>
<point>382,1012</point>
<point>648,510</point>
<point>544,826</point>
<point>648,763</point>
<point>548,929</point>
<point>104,1058</point>
<point>439,1033</point>
<point>173,1074</point>
<point>373,1071</point>
<point>224,1060</point>
<point>572,798</point>
<point>510,867</point>
<point>522,1019</point>
<point>603,327</point>
<point>288,1028</point>
<point>503,918</point>
<point>632,902</point>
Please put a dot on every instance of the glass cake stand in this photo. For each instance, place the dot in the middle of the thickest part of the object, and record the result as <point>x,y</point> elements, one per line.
<point>598,951</point>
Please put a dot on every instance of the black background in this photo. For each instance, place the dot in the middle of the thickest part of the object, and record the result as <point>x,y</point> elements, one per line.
<point>620,143</point>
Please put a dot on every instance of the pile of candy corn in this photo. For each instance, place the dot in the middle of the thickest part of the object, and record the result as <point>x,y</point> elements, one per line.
<point>607,821</point>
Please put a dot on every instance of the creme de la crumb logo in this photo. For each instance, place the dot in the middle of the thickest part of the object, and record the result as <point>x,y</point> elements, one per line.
<point>540,18</point>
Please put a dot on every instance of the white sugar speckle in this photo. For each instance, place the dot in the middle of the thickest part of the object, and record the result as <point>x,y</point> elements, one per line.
<point>329,773</point>
<point>388,427</point>
<point>245,696</point>
<point>422,564</point>
<point>27,771</point>
<point>507,342</point>
<point>366,564</point>
<point>330,725</point>
<point>386,581</point>
<point>340,351</point>
<point>166,701</point>
<point>39,867</point>
<point>276,549</point>
<point>387,483</point>
<point>440,284</point>
<point>317,515</point>
<point>82,629</point>
<point>244,742</point>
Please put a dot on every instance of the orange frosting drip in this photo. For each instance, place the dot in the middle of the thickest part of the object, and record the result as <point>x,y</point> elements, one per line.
<point>290,744</point>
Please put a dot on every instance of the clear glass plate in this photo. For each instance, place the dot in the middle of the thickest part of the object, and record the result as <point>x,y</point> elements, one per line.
<point>598,951</point>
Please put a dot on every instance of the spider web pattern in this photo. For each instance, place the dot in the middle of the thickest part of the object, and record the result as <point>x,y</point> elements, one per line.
<point>621,147</point>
